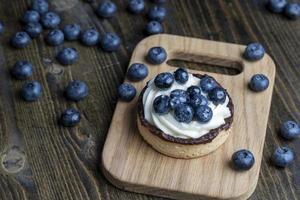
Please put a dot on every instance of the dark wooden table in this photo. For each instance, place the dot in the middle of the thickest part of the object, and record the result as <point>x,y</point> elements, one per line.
<point>41,160</point>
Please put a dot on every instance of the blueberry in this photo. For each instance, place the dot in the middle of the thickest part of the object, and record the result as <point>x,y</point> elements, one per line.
<point>72,32</point>
<point>20,40</point>
<point>90,37</point>
<point>31,16</point>
<point>136,6</point>
<point>164,80</point>
<point>110,42</point>
<point>50,20</point>
<point>290,130</point>
<point>217,95</point>
<point>159,1</point>
<point>243,159</point>
<point>198,100</point>
<point>34,29</point>
<point>137,72</point>
<point>179,92</point>
<point>193,90</point>
<point>292,10</point>
<point>67,56</point>
<point>156,55</point>
<point>259,82</point>
<point>178,97</point>
<point>1,27</point>
<point>161,104</point>
<point>106,9</point>
<point>22,70</point>
<point>76,90</point>
<point>283,156</point>
<point>207,83</point>
<point>183,113</point>
<point>55,37</point>
<point>157,13</point>
<point>181,75</point>
<point>254,51</point>
<point>276,6</point>
<point>41,6</point>
<point>153,27</point>
<point>70,117</point>
<point>126,92</point>
<point>203,114</point>
<point>31,91</point>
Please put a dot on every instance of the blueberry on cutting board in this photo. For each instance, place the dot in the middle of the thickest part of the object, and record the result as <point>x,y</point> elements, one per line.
<point>156,55</point>
<point>243,160</point>
<point>126,92</point>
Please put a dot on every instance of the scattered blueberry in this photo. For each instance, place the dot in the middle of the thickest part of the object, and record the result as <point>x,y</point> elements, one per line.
<point>72,32</point>
<point>203,114</point>
<point>283,156</point>
<point>55,37</point>
<point>183,113</point>
<point>110,42</point>
<point>22,70</point>
<point>207,83</point>
<point>290,130</point>
<point>34,29</point>
<point>164,80</point>
<point>1,27</point>
<point>181,75</point>
<point>70,117</point>
<point>137,72</point>
<point>31,16</point>
<point>67,56</point>
<point>161,104</point>
<point>20,40</point>
<point>50,20</point>
<point>31,91</point>
<point>106,9</point>
<point>41,6</point>
<point>76,90</point>
<point>292,10</point>
<point>178,97</point>
<point>254,51</point>
<point>154,27</point>
<point>193,90</point>
<point>198,100</point>
<point>156,55</point>
<point>157,13</point>
<point>217,95</point>
<point>243,159</point>
<point>259,82</point>
<point>126,92</point>
<point>136,6</point>
<point>90,37</point>
<point>276,6</point>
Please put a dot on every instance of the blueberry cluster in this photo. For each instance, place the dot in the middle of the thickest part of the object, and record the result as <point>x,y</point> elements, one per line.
<point>290,10</point>
<point>190,104</point>
<point>39,17</point>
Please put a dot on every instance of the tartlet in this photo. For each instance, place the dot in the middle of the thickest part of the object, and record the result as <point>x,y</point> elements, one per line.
<point>181,145</point>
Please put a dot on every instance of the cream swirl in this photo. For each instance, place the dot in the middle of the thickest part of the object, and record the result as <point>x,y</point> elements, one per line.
<point>167,122</point>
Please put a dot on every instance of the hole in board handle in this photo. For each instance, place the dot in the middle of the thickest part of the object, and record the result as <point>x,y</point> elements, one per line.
<point>207,64</point>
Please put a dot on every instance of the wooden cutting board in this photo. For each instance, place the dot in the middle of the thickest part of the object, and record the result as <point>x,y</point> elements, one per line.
<point>131,164</point>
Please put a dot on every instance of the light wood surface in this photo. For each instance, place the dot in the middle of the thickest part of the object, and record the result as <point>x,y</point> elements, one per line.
<point>131,164</point>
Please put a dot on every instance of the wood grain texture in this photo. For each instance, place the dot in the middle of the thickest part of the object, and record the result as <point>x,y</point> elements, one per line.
<point>63,163</point>
<point>131,163</point>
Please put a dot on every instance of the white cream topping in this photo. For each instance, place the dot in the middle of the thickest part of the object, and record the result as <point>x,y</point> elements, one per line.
<point>167,122</point>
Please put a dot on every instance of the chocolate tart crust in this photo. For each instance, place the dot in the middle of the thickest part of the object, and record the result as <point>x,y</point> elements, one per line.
<point>207,138</point>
